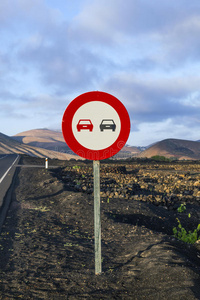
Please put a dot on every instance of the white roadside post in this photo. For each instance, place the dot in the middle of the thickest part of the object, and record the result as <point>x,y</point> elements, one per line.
<point>97,217</point>
<point>46,163</point>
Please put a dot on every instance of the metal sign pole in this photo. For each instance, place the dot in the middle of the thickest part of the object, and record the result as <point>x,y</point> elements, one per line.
<point>97,217</point>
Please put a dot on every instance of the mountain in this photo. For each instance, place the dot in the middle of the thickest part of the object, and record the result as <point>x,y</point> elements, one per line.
<point>127,151</point>
<point>44,138</point>
<point>8,145</point>
<point>53,140</point>
<point>174,148</point>
<point>131,149</point>
<point>49,143</point>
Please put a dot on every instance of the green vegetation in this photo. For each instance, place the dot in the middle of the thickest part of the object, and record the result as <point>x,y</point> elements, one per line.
<point>181,233</point>
<point>70,245</point>
<point>76,167</point>
<point>160,158</point>
<point>181,208</point>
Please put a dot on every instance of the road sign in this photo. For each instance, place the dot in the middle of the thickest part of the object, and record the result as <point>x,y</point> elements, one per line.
<point>96,125</point>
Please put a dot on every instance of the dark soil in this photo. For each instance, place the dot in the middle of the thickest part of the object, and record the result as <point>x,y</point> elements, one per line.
<point>47,242</point>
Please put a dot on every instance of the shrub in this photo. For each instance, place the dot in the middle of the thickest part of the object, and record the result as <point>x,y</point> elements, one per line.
<point>181,233</point>
<point>160,158</point>
<point>181,208</point>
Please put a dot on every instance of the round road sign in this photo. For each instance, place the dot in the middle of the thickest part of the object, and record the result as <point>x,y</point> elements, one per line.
<point>96,125</point>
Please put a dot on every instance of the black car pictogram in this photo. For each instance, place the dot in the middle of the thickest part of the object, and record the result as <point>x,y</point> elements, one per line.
<point>107,124</point>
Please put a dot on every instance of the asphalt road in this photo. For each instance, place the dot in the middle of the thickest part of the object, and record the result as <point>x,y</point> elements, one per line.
<point>7,170</point>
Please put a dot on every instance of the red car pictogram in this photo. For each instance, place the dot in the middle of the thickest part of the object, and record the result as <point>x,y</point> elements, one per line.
<point>84,124</point>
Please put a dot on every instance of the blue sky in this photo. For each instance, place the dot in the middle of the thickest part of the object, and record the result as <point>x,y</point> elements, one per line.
<point>145,53</point>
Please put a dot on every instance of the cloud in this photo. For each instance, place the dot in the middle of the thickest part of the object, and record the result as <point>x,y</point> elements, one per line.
<point>41,43</point>
<point>148,133</point>
<point>156,99</point>
<point>65,55</point>
<point>166,33</point>
<point>146,53</point>
<point>133,17</point>
<point>182,43</point>
<point>34,13</point>
<point>60,66</point>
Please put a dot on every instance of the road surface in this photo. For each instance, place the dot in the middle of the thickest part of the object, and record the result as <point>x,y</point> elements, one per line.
<point>7,171</point>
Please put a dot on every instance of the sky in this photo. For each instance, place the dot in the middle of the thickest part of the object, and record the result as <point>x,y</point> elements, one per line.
<point>145,53</point>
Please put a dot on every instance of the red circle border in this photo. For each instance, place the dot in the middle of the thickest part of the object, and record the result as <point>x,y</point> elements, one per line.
<point>71,141</point>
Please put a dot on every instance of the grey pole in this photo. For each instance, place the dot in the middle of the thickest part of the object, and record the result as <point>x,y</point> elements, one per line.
<point>97,217</point>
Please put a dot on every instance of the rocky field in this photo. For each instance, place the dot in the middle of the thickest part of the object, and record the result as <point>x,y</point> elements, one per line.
<point>46,244</point>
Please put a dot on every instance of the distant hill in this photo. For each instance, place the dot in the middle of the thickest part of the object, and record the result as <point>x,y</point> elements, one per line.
<point>131,149</point>
<point>50,143</point>
<point>53,140</point>
<point>127,151</point>
<point>37,141</point>
<point>44,138</point>
<point>174,148</point>
<point>8,145</point>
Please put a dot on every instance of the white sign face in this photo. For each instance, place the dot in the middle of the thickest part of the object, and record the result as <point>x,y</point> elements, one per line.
<point>96,125</point>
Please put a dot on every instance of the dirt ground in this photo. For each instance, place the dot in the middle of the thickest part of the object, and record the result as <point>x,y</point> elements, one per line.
<point>47,242</point>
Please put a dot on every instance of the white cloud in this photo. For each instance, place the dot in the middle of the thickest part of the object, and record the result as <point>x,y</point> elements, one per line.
<point>154,99</point>
<point>147,133</point>
<point>146,53</point>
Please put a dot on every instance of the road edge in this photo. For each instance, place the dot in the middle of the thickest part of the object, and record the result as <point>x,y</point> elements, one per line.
<point>8,196</point>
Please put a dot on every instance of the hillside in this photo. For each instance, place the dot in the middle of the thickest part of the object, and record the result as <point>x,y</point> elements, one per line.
<point>9,145</point>
<point>127,151</point>
<point>43,138</point>
<point>40,140</point>
<point>174,148</point>
<point>53,140</point>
